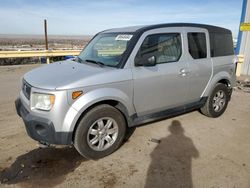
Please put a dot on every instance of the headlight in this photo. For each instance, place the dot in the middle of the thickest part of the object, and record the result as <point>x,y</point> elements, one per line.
<point>42,101</point>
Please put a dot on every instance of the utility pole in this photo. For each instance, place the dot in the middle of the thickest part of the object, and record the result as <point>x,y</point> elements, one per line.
<point>46,39</point>
<point>243,42</point>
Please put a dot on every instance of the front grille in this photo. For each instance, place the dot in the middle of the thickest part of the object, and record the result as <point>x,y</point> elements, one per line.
<point>26,88</point>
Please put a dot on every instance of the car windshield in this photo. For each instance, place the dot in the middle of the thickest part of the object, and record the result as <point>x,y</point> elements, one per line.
<point>106,49</point>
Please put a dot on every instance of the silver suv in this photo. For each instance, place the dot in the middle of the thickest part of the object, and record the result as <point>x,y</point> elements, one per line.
<point>124,78</point>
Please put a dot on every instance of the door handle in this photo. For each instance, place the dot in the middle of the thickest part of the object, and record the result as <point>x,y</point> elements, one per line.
<point>183,72</point>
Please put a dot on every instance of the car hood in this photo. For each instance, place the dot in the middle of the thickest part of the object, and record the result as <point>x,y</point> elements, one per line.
<point>66,75</point>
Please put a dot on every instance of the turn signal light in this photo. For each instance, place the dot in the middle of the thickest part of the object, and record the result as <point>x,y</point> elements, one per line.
<point>76,94</point>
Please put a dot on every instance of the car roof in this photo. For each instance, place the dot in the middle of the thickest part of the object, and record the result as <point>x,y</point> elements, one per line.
<point>143,28</point>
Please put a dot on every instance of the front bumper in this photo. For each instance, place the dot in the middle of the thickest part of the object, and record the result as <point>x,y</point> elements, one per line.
<point>42,129</point>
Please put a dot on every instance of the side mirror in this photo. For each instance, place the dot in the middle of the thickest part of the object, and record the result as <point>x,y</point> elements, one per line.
<point>147,61</point>
<point>151,61</point>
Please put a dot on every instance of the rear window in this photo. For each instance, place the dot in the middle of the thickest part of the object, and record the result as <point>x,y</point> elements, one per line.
<point>221,44</point>
<point>197,45</point>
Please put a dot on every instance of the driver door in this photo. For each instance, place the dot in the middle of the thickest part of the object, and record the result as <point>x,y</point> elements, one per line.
<point>163,85</point>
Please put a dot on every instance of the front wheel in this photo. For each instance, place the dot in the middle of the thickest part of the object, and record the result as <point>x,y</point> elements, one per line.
<point>216,103</point>
<point>100,132</point>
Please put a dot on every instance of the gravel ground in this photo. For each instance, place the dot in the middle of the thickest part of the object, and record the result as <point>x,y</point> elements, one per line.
<point>190,150</point>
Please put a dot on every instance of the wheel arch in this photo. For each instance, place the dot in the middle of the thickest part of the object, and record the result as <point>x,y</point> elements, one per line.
<point>221,77</point>
<point>225,81</point>
<point>112,102</point>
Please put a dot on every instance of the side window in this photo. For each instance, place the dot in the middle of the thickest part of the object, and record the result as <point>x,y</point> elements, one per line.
<point>221,44</point>
<point>197,45</point>
<point>165,47</point>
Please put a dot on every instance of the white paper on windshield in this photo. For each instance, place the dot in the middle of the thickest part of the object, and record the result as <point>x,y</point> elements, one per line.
<point>124,37</point>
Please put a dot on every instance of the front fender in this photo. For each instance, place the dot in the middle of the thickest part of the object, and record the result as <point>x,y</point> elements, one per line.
<point>91,98</point>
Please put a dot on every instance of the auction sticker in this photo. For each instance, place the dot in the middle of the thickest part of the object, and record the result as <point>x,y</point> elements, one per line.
<point>124,37</point>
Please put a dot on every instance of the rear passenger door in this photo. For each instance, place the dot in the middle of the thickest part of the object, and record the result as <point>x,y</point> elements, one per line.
<point>199,62</point>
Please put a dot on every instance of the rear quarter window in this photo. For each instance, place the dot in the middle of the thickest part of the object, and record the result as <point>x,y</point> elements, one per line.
<point>221,44</point>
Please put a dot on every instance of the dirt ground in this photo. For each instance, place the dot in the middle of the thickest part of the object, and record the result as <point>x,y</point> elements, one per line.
<point>187,151</point>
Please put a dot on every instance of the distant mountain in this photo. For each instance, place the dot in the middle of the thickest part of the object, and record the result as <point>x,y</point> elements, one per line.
<point>74,37</point>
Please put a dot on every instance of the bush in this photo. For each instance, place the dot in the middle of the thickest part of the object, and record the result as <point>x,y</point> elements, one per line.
<point>27,60</point>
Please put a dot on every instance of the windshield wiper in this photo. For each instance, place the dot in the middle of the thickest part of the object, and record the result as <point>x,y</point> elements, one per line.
<point>95,62</point>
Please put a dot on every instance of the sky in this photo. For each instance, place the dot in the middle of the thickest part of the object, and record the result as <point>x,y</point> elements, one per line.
<point>81,17</point>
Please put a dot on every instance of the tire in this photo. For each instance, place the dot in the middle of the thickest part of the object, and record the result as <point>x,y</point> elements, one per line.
<point>129,132</point>
<point>93,138</point>
<point>214,106</point>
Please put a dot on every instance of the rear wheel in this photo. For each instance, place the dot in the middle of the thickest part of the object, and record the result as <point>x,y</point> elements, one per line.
<point>100,132</point>
<point>216,103</point>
